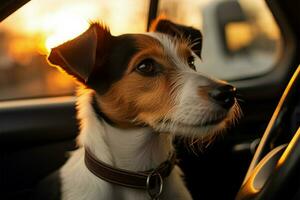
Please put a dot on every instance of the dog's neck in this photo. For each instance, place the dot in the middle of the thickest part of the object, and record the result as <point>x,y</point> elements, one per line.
<point>137,149</point>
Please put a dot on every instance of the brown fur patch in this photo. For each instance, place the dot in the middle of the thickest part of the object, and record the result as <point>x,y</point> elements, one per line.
<point>203,92</point>
<point>183,50</point>
<point>138,99</point>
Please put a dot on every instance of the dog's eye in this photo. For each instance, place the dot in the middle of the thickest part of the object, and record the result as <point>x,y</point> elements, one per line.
<point>191,62</point>
<point>147,68</point>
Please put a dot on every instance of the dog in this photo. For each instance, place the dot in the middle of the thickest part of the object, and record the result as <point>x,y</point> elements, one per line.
<point>139,91</point>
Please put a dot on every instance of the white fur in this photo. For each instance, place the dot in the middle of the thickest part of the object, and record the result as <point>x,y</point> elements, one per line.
<point>139,150</point>
<point>190,110</point>
<point>142,148</point>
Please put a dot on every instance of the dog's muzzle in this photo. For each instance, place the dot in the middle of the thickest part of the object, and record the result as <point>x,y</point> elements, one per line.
<point>223,95</point>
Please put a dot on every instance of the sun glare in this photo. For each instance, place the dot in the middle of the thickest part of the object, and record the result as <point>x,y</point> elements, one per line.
<point>69,26</point>
<point>52,22</point>
<point>59,21</point>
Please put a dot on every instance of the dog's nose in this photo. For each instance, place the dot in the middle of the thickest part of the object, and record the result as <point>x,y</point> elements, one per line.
<point>224,95</point>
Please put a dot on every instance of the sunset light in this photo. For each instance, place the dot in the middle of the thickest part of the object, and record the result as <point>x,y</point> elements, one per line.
<point>69,26</point>
<point>27,36</point>
<point>56,21</point>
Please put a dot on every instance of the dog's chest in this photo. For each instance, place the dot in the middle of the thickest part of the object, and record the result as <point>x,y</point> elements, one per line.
<point>80,184</point>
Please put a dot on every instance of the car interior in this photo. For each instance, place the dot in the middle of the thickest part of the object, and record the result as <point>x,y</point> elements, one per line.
<point>257,158</point>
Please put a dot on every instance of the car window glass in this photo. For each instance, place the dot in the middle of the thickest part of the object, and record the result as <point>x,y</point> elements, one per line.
<point>240,38</point>
<point>27,36</point>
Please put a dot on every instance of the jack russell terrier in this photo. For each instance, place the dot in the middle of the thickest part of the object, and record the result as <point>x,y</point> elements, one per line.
<point>140,90</point>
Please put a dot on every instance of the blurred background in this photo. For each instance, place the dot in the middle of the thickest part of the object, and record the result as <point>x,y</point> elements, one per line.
<point>241,38</point>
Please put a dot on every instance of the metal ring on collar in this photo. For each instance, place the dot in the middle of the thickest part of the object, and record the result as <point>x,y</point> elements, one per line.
<point>154,194</point>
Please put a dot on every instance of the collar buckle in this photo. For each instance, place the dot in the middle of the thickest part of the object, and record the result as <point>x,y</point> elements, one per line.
<point>154,184</point>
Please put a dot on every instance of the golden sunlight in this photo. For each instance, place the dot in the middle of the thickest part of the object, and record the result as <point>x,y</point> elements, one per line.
<point>27,36</point>
<point>69,27</point>
<point>238,35</point>
<point>54,21</point>
<point>58,21</point>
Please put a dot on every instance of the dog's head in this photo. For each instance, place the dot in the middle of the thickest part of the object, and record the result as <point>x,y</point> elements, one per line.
<point>149,79</point>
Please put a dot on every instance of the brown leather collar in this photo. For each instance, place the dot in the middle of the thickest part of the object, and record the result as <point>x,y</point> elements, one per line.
<point>137,180</point>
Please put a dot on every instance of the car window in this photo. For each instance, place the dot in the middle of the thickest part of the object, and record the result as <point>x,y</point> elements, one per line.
<point>27,36</point>
<point>240,38</point>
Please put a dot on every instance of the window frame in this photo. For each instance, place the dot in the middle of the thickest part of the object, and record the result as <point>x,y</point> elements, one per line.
<point>274,81</point>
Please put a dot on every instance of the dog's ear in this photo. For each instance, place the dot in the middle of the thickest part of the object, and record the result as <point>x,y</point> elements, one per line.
<point>176,30</point>
<point>78,56</point>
